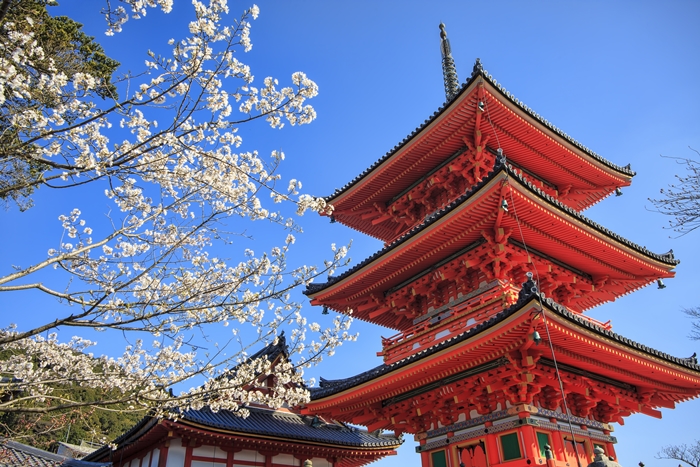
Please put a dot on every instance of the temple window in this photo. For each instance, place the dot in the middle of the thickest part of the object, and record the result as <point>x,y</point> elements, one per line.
<point>542,441</point>
<point>510,447</point>
<point>438,458</point>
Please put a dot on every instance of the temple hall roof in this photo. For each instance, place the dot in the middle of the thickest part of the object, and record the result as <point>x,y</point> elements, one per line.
<point>289,425</point>
<point>16,454</point>
<point>280,425</point>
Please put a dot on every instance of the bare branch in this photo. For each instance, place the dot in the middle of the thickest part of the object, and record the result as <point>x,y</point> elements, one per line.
<point>687,453</point>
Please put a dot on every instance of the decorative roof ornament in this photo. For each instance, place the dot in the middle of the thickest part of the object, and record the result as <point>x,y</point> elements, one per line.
<point>529,288</point>
<point>478,67</point>
<point>449,71</point>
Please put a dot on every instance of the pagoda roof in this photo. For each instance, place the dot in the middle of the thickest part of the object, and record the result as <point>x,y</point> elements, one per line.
<point>406,162</point>
<point>527,299</point>
<point>660,264</point>
<point>16,454</point>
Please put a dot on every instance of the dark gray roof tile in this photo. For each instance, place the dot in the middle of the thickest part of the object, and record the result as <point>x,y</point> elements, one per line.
<point>289,425</point>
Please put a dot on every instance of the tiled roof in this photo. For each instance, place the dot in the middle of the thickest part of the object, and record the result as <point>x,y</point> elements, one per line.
<point>291,426</point>
<point>528,292</point>
<point>17,454</point>
<point>264,422</point>
<point>478,71</point>
<point>667,258</point>
<point>14,454</point>
<point>273,350</point>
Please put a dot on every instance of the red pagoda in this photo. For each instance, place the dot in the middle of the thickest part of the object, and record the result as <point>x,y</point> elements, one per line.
<point>486,274</point>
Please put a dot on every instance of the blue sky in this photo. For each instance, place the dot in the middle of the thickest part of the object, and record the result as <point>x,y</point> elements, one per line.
<point>620,77</point>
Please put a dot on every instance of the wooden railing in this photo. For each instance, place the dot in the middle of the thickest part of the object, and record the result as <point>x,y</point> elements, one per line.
<point>451,319</point>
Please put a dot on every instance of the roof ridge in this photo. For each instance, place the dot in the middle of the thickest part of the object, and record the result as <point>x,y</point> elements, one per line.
<point>499,166</point>
<point>527,293</point>
<point>479,71</point>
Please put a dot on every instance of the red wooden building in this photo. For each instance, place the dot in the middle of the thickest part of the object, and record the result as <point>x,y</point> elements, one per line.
<point>487,271</point>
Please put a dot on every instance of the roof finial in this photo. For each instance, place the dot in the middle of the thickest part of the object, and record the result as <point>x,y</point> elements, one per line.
<point>478,67</point>
<point>449,71</point>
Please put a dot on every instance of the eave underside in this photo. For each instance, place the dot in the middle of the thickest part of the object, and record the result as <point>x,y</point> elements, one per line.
<point>579,265</point>
<point>604,379</point>
<point>458,134</point>
<point>344,456</point>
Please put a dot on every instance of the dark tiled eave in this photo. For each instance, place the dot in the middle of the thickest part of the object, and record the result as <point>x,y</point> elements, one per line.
<point>666,258</point>
<point>289,426</point>
<point>525,297</point>
<point>480,72</point>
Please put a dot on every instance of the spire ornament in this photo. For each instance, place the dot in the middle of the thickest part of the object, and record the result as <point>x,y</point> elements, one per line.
<point>449,71</point>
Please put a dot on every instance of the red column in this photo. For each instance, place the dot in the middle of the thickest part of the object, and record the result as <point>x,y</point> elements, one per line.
<point>493,453</point>
<point>163,456</point>
<point>557,444</point>
<point>531,451</point>
<point>424,459</point>
<point>188,456</point>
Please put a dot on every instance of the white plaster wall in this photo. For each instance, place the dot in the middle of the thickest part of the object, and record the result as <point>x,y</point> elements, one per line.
<point>176,454</point>
<point>210,451</point>
<point>155,455</point>
<point>248,455</point>
<point>286,459</point>
<point>318,462</point>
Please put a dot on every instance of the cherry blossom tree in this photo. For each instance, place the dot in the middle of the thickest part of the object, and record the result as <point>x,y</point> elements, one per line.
<point>166,156</point>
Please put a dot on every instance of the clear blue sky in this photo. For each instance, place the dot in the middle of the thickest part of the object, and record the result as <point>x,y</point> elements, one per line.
<point>620,77</point>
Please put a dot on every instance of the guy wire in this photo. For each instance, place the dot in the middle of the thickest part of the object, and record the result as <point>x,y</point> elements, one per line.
<point>537,282</point>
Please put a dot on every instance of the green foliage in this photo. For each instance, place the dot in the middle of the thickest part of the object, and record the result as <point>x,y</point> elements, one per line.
<point>63,42</point>
<point>90,424</point>
<point>67,50</point>
<point>73,425</point>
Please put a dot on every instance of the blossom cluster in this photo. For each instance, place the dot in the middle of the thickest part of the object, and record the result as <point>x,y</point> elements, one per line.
<point>172,186</point>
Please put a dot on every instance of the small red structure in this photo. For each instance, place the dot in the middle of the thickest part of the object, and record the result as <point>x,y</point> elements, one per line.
<point>487,270</point>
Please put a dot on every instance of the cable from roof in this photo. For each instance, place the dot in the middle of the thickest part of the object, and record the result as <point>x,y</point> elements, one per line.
<point>536,283</point>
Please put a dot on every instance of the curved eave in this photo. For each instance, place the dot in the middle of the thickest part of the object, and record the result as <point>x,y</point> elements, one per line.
<point>563,233</point>
<point>436,139</point>
<point>149,432</point>
<point>206,430</point>
<point>591,348</point>
<point>422,366</point>
<point>574,338</point>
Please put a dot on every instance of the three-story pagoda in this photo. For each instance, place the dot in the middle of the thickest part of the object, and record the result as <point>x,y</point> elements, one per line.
<point>487,271</point>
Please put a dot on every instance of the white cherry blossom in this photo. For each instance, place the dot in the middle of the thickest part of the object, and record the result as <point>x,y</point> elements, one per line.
<point>170,187</point>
